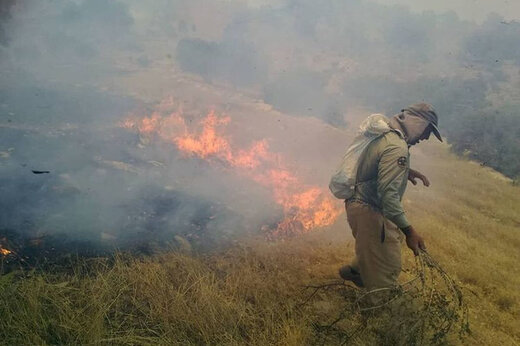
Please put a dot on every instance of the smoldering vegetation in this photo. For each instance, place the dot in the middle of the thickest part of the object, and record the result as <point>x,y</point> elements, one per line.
<point>65,70</point>
<point>83,184</point>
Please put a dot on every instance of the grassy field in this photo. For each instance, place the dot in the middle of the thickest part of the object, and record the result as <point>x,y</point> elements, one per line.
<point>251,293</point>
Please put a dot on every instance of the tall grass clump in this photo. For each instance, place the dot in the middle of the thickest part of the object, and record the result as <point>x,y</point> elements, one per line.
<point>166,299</point>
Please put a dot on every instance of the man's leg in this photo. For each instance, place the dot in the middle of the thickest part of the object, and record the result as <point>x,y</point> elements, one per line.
<point>351,272</point>
<point>354,264</point>
<point>378,246</point>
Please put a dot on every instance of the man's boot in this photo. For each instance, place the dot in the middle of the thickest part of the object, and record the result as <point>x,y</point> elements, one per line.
<point>349,274</point>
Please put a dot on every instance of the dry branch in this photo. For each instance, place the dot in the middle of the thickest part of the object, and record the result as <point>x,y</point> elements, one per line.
<point>422,310</point>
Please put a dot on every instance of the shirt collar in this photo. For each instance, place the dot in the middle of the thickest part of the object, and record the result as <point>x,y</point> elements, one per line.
<point>400,133</point>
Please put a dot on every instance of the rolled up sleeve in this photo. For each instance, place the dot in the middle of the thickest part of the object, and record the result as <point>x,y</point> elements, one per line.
<point>392,169</point>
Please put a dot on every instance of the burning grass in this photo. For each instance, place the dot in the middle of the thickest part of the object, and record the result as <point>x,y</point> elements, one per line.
<point>305,206</point>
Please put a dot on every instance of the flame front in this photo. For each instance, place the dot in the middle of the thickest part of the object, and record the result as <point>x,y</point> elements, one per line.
<point>4,252</point>
<point>305,207</point>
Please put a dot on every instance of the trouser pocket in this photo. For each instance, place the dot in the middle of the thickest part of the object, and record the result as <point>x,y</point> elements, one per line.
<point>378,250</point>
<point>390,233</point>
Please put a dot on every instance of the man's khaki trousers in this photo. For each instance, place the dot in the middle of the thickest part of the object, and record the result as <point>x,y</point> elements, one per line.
<point>378,246</point>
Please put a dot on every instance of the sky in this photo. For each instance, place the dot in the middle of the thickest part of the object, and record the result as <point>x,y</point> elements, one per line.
<point>472,10</point>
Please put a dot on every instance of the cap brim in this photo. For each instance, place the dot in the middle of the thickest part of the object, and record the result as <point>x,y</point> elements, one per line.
<point>436,132</point>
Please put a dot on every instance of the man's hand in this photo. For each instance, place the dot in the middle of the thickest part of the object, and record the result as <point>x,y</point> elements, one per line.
<point>413,174</point>
<point>414,241</point>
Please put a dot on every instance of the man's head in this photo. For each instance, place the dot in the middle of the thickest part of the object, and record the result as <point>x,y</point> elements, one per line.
<point>417,122</point>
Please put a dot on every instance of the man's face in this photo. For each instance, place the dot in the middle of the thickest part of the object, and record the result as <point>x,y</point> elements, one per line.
<point>424,136</point>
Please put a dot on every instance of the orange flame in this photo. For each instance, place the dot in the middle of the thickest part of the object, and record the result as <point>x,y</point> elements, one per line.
<point>305,207</point>
<point>4,252</point>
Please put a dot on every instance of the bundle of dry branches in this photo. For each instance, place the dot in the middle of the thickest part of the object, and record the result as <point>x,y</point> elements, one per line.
<point>422,310</point>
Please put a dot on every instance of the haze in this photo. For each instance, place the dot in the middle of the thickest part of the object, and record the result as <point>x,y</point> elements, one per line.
<point>72,71</point>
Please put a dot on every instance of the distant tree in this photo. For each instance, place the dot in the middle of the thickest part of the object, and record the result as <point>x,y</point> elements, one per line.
<point>491,136</point>
<point>5,15</point>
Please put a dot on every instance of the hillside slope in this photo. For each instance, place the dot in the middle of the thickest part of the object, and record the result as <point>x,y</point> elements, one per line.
<point>250,293</point>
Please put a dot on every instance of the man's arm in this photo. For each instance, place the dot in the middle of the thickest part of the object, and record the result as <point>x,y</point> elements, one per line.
<point>413,240</point>
<point>413,174</point>
<point>392,169</point>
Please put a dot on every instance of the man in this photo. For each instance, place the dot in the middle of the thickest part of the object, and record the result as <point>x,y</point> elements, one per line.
<point>375,213</point>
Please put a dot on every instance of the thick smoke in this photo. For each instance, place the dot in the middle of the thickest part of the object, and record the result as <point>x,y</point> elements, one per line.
<point>60,114</point>
<point>73,70</point>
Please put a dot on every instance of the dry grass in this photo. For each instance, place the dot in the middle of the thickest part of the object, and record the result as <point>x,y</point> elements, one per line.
<point>234,298</point>
<point>252,293</point>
